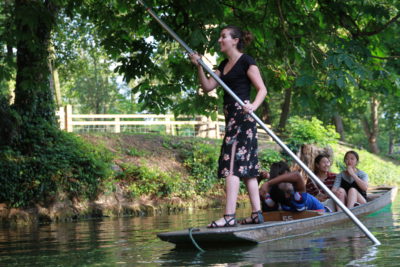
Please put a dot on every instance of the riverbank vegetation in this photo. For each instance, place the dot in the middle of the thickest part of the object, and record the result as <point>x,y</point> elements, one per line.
<point>130,174</point>
<point>339,65</point>
<point>154,166</point>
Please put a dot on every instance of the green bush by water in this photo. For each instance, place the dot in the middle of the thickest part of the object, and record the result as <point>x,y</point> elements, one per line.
<point>65,164</point>
<point>198,156</point>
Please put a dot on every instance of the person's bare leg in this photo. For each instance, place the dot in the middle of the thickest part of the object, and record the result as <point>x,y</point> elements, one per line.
<point>361,199</point>
<point>341,195</point>
<point>232,191</point>
<point>254,193</point>
<point>351,197</point>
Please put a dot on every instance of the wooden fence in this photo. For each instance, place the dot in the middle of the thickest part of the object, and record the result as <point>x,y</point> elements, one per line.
<point>199,126</point>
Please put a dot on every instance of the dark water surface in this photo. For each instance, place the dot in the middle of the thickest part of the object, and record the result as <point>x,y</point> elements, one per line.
<point>133,242</point>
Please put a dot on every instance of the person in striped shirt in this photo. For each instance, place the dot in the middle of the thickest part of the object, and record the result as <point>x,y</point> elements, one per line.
<point>322,166</point>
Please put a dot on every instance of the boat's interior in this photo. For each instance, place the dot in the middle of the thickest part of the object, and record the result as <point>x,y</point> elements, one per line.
<point>289,215</point>
<point>373,193</point>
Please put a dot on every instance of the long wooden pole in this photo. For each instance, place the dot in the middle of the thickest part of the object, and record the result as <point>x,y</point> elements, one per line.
<point>274,137</point>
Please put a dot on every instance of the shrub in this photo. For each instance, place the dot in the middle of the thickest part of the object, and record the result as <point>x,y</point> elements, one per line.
<point>66,163</point>
<point>302,131</point>
<point>269,156</point>
<point>202,161</point>
<point>145,181</point>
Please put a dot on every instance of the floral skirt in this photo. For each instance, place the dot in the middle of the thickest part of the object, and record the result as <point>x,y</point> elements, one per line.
<point>239,151</point>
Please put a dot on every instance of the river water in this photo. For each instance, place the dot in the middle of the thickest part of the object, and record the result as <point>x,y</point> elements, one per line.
<point>132,242</point>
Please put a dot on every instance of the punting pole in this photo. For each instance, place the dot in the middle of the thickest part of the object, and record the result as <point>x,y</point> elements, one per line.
<point>274,137</point>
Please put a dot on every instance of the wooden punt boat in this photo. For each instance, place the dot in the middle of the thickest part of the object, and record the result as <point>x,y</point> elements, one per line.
<point>277,225</point>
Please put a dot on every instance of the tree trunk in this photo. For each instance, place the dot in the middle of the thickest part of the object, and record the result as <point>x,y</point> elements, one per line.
<point>339,126</point>
<point>33,97</point>
<point>371,129</point>
<point>285,109</point>
<point>391,143</point>
<point>307,155</point>
<point>265,113</point>
<point>54,79</point>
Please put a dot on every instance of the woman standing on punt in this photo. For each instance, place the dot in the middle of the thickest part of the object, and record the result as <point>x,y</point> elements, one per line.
<point>238,159</point>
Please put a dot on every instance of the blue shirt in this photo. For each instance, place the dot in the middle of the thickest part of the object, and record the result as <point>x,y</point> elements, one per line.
<point>303,201</point>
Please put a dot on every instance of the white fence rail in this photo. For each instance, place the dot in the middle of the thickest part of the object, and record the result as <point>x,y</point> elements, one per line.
<point>199,126</point>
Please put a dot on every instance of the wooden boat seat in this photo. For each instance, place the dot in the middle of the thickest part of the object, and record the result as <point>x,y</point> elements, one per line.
<point>290,215</point>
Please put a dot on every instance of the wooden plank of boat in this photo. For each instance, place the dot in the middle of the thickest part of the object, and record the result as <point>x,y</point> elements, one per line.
<point>278,224</point>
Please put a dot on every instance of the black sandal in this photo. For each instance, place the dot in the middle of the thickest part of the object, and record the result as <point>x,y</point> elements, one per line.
<point>227,222</point>
<point>257,219</point>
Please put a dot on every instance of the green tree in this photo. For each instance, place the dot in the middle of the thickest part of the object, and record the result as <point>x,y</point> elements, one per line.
<point>36,159</point>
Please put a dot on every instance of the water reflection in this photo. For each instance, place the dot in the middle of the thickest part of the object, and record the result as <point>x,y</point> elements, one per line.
<point>133,242</point>
<point>339,246</point>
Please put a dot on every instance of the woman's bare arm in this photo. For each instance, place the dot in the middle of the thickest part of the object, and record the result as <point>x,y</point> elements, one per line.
<point>289,177</point>
<point>207,83</point>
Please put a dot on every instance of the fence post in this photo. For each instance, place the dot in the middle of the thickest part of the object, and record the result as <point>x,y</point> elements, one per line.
<point>61,118</point>
<point>217,131</point>
<point>173,127</point>
<point>201,130</point>
<point>169,127</point>
<point>211,133</point>
<point>117,125</point>
<point>68,119</point>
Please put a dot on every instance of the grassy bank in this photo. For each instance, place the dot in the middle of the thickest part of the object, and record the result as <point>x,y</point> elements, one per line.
<point>163,166</point>
<point>149,174</point>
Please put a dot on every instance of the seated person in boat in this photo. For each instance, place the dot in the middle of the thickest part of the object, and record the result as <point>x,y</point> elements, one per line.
<point>287,190</point>
<point>322,166</point>
<point>351,184</point>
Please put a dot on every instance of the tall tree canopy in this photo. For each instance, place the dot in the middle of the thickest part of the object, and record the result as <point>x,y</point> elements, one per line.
<point>327,58</point>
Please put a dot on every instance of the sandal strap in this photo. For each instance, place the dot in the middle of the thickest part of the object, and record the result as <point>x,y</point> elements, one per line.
<point>213,225</point>
<point>259,218</point>
<point>228,221</point>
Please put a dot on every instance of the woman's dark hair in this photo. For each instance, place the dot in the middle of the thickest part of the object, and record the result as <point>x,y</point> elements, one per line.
<point>352,152</point>
<point>278,195</point>
<point>318,159</point>
<point>278,168</point>
<point>245,37</point>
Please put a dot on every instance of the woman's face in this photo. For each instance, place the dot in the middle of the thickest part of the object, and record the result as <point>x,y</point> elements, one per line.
<point>350,160</point>
<point>226,42</point>
<point>324,165</point>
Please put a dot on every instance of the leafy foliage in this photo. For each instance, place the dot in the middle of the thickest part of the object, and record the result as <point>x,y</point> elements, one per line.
<point>65,164</point>
<point>303,131</point>
<point>143,181</point>
<point>202,161</point>
<point>328,57</point>
<point>199,156</point>
<point>269,156</point>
